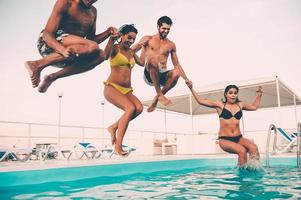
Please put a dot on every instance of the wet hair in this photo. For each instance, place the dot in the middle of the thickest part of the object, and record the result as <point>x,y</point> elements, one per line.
<point>227,90</point>
<point>164,19</point>
<point>127,28</point>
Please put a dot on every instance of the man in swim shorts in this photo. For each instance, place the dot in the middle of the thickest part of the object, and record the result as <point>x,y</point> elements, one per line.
<point>155,51</point>
<point>68,41</point>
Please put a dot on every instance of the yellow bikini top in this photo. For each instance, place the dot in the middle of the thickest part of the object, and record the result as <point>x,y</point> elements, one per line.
<point>121,60</point>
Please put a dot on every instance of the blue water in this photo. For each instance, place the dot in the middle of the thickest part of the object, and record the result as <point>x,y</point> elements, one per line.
<point>182,179</point>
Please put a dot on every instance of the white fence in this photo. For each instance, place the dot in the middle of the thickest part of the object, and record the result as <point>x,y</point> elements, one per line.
<point>26,135</point>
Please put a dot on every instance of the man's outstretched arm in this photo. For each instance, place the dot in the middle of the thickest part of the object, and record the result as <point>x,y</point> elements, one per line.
<point>99,38</point>
<point>176,63</point>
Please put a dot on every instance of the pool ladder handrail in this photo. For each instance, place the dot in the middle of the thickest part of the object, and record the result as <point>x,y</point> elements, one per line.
<point>299,145</point>
<point>272,127</point>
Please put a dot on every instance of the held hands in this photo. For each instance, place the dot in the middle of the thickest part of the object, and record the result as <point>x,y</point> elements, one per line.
<point>114,33</point>
<point>113,30</point>
<point>259,91</point>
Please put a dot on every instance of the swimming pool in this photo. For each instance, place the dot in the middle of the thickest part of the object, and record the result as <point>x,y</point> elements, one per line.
<point>172,179</point>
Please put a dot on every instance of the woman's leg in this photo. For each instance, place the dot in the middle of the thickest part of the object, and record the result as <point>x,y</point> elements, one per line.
<point>112,130</point>
<point>251,147</point>
<point>123,102</point>
<point>138,110</point>
<point>137,103</point>
<point>232,147</point>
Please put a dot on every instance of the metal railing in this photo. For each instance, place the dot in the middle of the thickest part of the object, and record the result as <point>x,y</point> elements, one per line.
<point>30,133</point>
<point>272,127</point>
<point>299,145</point>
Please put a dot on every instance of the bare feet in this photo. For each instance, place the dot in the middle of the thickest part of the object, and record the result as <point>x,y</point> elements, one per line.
<point>164,101</point>
<point>112,130</point>
<point>48,79</point>
<point>34,73</point>
<point>153,105</point>
<point>119,151</point>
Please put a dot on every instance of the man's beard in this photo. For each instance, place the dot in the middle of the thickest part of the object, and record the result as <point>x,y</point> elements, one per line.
<point>163,35</point>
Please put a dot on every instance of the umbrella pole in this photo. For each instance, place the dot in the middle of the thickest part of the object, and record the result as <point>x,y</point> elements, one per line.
<point>295,107</point>
<point>191,114</point>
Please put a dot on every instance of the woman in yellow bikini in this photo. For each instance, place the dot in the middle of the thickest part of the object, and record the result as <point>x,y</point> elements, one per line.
<point>118,89</point>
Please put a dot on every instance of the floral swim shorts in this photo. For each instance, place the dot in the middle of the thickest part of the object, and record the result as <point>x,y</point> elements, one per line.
<point>45,50</point>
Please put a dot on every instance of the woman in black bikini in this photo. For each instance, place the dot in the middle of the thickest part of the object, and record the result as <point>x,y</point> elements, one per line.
<point>230,113</point>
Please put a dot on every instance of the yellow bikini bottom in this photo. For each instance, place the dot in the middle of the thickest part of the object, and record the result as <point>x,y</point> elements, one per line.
<point>123,90</point>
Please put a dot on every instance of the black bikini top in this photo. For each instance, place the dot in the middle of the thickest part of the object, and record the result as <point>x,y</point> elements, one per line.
<point>226,114</point>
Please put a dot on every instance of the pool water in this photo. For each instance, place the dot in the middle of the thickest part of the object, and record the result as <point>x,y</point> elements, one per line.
<point>281,181</point>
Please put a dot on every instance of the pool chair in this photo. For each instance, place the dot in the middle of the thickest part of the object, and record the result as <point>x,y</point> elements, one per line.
<point>128,149</point>
<point>44,151</point>
<point>15,154</point>
<point>290,140</point>
<point>85,149</point>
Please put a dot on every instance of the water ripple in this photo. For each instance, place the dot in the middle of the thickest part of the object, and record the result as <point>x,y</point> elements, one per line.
<point>199,183</point>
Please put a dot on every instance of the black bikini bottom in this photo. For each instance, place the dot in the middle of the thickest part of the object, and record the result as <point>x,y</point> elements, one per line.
<point>232,139</point>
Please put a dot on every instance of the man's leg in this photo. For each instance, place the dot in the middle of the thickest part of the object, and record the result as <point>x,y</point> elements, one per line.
<point>172,79</point>
<point>34,68</point>
<point>81,66</point>
<point>80,46</point>
<point>153,71</point>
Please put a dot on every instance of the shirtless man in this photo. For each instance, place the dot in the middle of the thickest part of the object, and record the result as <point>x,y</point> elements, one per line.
<point>69,42</point>
<point>155,50</point>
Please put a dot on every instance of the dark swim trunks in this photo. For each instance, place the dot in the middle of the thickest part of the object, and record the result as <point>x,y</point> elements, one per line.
<point>232,139</point>
<point>162,75</point>
<point>45,50</point>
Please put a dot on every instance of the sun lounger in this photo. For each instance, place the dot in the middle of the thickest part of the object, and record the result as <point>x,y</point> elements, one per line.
<point>45,151</point>
<point>290,140</point>
<point>85,149</point>
<point>15,154</point>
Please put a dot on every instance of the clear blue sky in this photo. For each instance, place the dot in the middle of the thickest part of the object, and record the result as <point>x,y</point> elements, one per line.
<point>217,40</point>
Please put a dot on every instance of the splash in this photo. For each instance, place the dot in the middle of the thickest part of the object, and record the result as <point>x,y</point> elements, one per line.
<point>253,164</point>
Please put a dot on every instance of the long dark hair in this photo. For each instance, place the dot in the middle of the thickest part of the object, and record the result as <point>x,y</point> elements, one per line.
<point>227,89</point>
